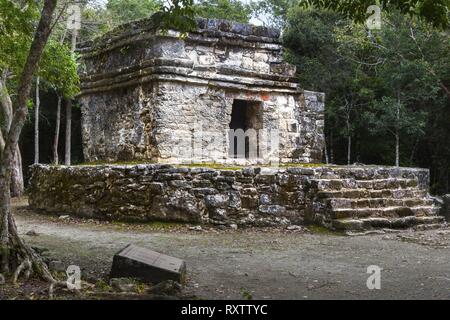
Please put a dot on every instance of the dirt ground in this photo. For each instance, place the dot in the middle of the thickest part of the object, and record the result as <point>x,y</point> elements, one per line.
<point>262,264</point>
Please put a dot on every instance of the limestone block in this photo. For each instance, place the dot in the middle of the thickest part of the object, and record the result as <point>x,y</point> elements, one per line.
<point>147,265</point>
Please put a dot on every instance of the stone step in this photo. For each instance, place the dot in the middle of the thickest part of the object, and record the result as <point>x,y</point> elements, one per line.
<point>376,184</point>
<point>346,203</point>
<point>433,226</point>
<point>364,193</point>
<point>371,173</point>
<point>388,212</point>
<point>392,223</point>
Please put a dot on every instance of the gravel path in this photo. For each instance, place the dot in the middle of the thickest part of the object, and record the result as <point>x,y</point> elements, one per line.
<point>268,264</point>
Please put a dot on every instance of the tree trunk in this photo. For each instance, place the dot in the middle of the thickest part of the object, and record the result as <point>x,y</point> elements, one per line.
<point>331,147</point>
<point>349,149</point>
<point>6,113</point>
<point>327,161</point>
<point>413,152</point>
<point>12,249</point>
<point>5,203</point>
<point>397,150</point>
<point>6,109</point>
<point>68,133</point>
<point>397,134</point>
<point>349,142</point>
<point>17,184</point>
<point>36,123</point>
<point>57,126</point>
<point>67,161</point>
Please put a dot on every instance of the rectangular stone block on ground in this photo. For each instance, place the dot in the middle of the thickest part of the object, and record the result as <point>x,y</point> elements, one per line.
<point>147,265</point>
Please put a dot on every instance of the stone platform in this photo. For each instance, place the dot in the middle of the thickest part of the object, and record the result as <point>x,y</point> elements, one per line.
<point>338,197</point>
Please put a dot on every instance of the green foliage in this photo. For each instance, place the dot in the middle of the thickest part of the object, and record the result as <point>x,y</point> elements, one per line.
<point>369,76</point>
<point>383,118</point>
<point>311,45</point>
<point>435,12</point>
<point>128,10</point>
<point>16,29</point>
<point>272,12</point>
<point>98,20</point>
<point>246,294</point>
<point>17,17</point>
<point>233,10</point>
<point>59,70</point>
<point>178,15</point>
<point>57,67</point>
<point>95,21</point>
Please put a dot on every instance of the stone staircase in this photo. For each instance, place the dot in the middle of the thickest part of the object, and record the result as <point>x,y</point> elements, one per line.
<point>373,202</point>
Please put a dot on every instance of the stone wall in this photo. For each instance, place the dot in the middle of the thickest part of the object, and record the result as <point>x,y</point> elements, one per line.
<point>146,95</point>
<point>153,192</point>
<point>445,211</point>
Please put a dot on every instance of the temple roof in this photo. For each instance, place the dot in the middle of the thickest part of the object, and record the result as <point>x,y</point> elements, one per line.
<point>219,53</point>
<point>207,27</point>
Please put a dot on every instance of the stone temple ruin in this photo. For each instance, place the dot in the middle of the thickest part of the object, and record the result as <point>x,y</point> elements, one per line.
<point>148,96</point>
<point>152,96</point>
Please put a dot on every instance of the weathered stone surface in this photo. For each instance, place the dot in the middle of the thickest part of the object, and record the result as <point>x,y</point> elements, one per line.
<point>147,265</point>
<point>123,284</point>
<point>145,95</point>
<point>32,233</point>
<point>167,288</point>
<point>361,198</point>
<point>304,195</point>
<point>56,265</point>
<point>446,207</point>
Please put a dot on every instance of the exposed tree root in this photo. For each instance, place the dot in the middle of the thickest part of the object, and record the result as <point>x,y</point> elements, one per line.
<point>19,256</point>
<point>24,266</point>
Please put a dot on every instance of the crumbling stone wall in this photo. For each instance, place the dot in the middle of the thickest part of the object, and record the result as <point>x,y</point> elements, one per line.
<point>145,94</point>
<point>260,196</point>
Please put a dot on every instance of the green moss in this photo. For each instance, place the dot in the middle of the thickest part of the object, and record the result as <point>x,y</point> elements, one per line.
<point>246,294</point>
<point>164,225</point>
<point>141,287</point>
<point>302,165</point>
<point>210,165</point>
<point>118,163</point>
<point>322,230</point>
<point>213,165</point>
<point>103,286</point>
<point>152,225</point>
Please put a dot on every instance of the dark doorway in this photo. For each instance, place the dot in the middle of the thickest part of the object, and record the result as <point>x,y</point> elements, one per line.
<point>245,115</point>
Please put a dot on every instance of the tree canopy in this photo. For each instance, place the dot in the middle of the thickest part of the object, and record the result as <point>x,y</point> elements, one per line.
<point>380,85</point>
<point>234,10</point>
<point>435,12</point>
<point>122,11</point>
<point>57,67</point>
